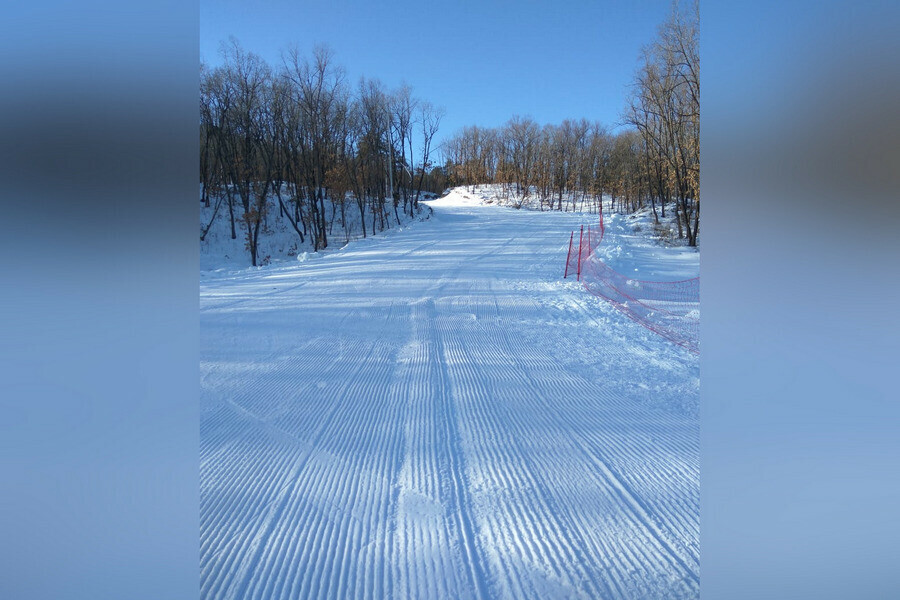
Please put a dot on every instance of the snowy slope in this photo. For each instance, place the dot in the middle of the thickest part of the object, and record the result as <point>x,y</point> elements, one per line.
<point>437,414</point>
<point>278,241</point>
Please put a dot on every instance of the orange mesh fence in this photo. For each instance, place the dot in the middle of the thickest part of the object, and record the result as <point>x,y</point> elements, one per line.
<point>668,308</point>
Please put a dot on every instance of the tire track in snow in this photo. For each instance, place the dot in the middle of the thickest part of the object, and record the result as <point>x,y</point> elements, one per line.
<point>456,460</point>
<point>681,474</point>
<point>333,514</point>
<point>441,459</point>
<point>242,574</point>
<point>629,498</point>
<point>507,467</point>
<point>615,484</point>
<point>473,384</point>
<point>423,536</point>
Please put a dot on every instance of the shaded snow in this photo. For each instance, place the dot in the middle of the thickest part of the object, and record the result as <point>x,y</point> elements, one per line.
<point>278,241</point>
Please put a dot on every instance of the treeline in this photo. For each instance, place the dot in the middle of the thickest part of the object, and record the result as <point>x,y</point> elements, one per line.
<point>655,161</point>
<point>573,163</point>
<point>296,134</point>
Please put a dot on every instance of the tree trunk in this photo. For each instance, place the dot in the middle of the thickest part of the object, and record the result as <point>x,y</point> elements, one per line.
<point>287,214</point>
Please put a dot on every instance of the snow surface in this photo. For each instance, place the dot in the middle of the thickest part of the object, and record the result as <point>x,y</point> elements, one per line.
<point>436,413</point>
<point>278,241</point>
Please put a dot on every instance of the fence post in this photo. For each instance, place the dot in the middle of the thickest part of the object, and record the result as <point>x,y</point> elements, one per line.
<point>571,237</point>
<point>580,238</point>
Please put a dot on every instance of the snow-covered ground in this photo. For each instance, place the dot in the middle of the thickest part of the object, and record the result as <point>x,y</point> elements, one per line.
<point>436,413</point>
<point>278,241</point>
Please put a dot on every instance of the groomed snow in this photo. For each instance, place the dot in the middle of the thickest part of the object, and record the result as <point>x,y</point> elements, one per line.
<point>436,413</point>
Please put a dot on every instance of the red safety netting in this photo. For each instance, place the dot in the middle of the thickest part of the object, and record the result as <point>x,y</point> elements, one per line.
<point>669,308</point>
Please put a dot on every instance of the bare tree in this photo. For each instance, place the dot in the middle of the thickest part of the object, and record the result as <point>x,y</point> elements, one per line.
<point>245,77</point>
<point>665,109</point>
<point>430,120</point>
<point>320,97</point>
<point>300,136</point>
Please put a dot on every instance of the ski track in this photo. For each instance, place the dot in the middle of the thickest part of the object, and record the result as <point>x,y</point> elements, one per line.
<point>433,414</point>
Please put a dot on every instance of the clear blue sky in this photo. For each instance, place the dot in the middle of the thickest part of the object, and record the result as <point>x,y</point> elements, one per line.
<point>483,61</point>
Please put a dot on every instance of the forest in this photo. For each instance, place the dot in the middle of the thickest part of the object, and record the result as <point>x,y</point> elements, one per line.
<point>296,136</point>
<point>653,160</point>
